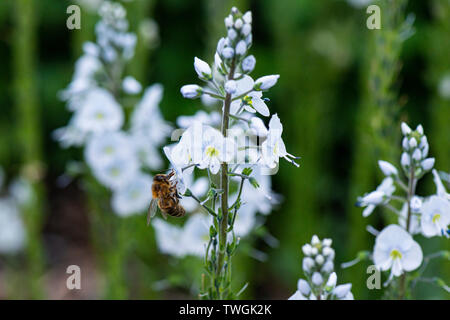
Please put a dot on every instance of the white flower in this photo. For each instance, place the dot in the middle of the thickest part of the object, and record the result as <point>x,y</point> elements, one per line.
<point>307,264</point>
<point>387,168</point>
<point>332,280</point>
<point>427,164</point>
<point>191,91</point>
<point>246,29</point>
<point>131,85</point>
<point>440,189</point>
<point>273,148</point>
<point>147,120</point>
<point>258,128</point>
<point>12,230</point>
<point>266,82</point>
<point>303,291</point>
<point>395,249</point>
<point>232,34</point>
<point>169,238</point>
<point>146,150</point>
<point>317,279</point>
<point>251,102</point>
<point>435,218</point>
<point>99,113</point>
<point>238,23</point>
<point>414,224</point>
<point>203,69</point>
<point>212,119</point>
<point>180,174</point>
<point>229,21</point>
<point>215,150</point>
<point>21,191</point>
<point>307,249</point>
<point>248,64</point>
<point>104,148</point>
<point>69,136</point>
<point>134,197</point>
<point>196,234</point>
<point>405,160</point>
<point>117,173</point>
<point>380,196</point>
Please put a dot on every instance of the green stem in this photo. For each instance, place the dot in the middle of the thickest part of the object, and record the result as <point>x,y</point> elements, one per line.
<point>223,220</point>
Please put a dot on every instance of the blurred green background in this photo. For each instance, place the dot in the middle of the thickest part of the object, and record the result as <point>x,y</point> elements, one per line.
<point>342,94</point>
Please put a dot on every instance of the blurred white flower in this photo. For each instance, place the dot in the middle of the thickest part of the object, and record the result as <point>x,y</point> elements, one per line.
<point>99,113</point>
<point>196,234</point>
<point>116,173</point>
<point>395,249</point>
<point>266,82</point>
<point>134,197</point>
<point>444,87</point>
<point>12,230</point>
<point>387,168</point>
<point>147,118</point>
<point>169,238</point>
<point>131,85</point>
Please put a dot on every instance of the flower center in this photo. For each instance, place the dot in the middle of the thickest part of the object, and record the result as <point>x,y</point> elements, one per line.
<point>115,172</point>
<point>436,217</point>
<point>395,254</point>
<point>109,150</point>
<point>99,116</point>
<point>212,152</point>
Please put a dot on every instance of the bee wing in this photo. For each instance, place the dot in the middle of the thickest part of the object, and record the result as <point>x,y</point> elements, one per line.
<point>152,210</point>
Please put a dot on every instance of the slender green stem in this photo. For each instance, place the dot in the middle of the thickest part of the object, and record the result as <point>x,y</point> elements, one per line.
<point>411,192</point>
<point>223,220</point>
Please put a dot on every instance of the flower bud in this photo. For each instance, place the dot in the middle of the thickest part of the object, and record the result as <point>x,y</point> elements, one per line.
<point>220,46</point>
<point>230,86</point>
<point>238,24</point>
<point>425,151</point>
<point>314,251</point>
<point>412,142</point>
<point>303,287</point>
<point>387,168</point>
<point>306,248</point>
<point>266,82</point>
<point>228,53</point>
<point>307,264</point>
<point>427,164</point>
<point>328,267</point>
<point>248,64</point>
<point>229,21</point>
<point>327,251</point>
<point>319,259</point>
<point>315,240</point>
<point>131,85</point>
<point>247,17</point>
<point>203,69</point>
<point>405,129</point>
<point>423,142</point>
<point>232,34</point>
<point>327,242</point>
<point>415,204</point>
<point>417,154</point>
<point>331,283</point>
<point>241,47</point>
<point>405,143</point>
<point>317,279</point>
<point>246,29</point>
<point>419,129</point>
<point>191,91</point>
<point>405,160</point>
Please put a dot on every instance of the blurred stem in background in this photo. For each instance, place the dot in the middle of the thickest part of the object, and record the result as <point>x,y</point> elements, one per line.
<point>28,128</point>
<point>376,131</point>
<point>438,50</point>
<point>307,81</point>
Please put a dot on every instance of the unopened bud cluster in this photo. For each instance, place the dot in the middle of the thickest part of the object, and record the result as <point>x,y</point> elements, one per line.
<point>318,267</point>
<point>238,39</point>
<point>415,151</point>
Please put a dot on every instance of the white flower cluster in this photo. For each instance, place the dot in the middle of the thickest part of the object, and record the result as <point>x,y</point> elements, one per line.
<point>248,142</point>
<point>12,229</point>
<point>116,156</point>
<point>318,266</point>
<point>395,248</point>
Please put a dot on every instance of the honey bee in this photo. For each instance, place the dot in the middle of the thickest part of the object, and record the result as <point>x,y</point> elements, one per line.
<point>166,197</point>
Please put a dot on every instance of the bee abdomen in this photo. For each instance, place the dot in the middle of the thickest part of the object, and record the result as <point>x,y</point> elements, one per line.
<point>176,211</point>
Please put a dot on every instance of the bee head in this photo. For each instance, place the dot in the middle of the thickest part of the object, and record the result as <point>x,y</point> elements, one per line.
<point>160,178</point>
